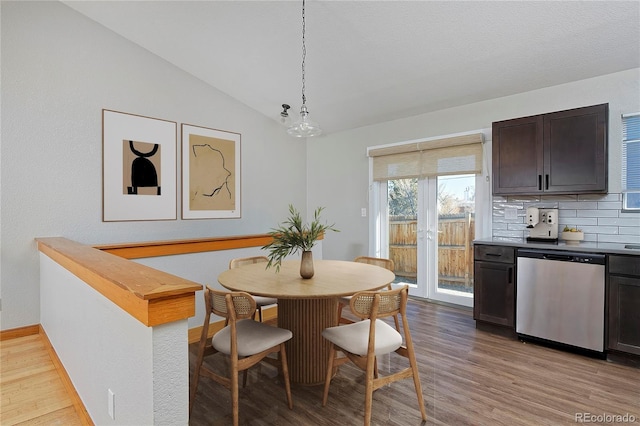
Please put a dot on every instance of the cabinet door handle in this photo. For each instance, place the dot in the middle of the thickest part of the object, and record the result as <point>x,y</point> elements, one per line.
<point>546,180</point>
<point>510,272</point>
<point>493,254</point>
<point>539,182</point>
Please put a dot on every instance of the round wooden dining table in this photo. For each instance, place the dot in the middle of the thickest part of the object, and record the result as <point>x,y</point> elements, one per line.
<point>307,306</point>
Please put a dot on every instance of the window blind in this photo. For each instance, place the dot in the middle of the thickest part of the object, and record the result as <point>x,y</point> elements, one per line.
<point>631,161</point>
<point>436,157</point>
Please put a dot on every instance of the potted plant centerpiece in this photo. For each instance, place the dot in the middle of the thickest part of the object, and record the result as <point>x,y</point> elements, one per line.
<point>293,235</point>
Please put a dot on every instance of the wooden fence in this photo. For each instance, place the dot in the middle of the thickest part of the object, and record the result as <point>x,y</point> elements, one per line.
<point>455,251</point>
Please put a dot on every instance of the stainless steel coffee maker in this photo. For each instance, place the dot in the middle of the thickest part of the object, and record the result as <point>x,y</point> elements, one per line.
<point>542,224</point>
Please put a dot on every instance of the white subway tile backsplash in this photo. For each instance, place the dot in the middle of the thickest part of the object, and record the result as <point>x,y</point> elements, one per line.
<point>598,215</point>
<point>566,213</point>
<point>578,205</point>
<point>511,239</point>
<point>558,198</point>
<point>578,221</point>
<point>523,198</point>
<point>626,239</point>
<point>610,205</point>
<point>619,221</point>
<point>599,229</point>
<point>508,234</point>
<point>599,197</point>
<point>516,226</point>
<point>631,215</point>
<point>628,230</point>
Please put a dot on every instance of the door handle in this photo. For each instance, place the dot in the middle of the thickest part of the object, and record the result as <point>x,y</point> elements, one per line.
<point>539,182</point>
<point>546,181</point>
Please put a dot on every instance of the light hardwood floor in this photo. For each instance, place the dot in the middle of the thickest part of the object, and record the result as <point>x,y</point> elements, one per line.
<point>33,391</point>
<point>469,377</point>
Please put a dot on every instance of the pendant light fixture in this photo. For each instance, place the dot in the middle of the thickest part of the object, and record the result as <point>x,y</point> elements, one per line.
<point>305,127</point>
<point>285,119</point>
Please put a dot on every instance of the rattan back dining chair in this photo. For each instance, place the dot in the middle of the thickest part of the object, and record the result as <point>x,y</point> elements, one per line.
<point>245,342</point>
<point>261,301</point>
<point>363,341</point>
<point>344,301</point>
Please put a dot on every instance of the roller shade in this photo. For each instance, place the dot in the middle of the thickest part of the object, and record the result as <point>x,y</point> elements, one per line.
<point>631,162</point>
<point>437,157</point>
<point>631,152</point>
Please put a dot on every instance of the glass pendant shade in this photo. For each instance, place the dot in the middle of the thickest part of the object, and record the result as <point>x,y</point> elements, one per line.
<point>305,127</point>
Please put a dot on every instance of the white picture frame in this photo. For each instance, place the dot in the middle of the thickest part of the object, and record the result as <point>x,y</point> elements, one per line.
<point>211,173</point>
<point>129,193</point>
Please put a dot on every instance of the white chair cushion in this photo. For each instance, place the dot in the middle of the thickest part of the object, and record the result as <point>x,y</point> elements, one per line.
<point>264,301</point>
<point>345,300</point>
<point>253,337</point>
<point>354,337</point>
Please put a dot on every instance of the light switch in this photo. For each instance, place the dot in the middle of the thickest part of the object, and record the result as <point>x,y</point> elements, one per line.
<point>111,407</point>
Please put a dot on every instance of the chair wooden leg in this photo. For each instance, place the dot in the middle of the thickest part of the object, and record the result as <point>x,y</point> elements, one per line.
<point>285,374</point>
<point>395,320</point>
<point>327,382</point>
<point>368,397</point>
<point>375,368</point>
<point>201,349</point>
<point>194,386</point>
<point>234,395</point>
<point>340,306</point>
<point>416,383</point>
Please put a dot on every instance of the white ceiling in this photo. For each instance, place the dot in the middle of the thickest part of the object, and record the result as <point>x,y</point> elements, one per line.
<point>373,61</point>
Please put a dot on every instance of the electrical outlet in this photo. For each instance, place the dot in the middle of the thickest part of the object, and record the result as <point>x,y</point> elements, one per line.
<point>363,212</point>
<point>510,213</point>
<point>111,404</point>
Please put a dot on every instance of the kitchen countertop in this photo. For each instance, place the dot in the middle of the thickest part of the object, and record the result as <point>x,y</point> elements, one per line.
<point>583,246</point>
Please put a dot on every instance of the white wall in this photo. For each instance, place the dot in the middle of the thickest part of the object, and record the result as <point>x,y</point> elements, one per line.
<point>102,348</point>
<point>337,167</point>
<point>58,71</point>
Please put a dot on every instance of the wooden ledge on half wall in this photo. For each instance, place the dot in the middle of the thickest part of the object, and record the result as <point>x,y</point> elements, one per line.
<point>152,297</point>
<point>173,247</point>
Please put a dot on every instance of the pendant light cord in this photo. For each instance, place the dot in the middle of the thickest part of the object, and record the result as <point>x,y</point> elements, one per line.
<point>304,55</point>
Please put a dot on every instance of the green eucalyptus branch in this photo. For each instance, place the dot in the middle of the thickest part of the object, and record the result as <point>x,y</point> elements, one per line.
<point>293,235</point>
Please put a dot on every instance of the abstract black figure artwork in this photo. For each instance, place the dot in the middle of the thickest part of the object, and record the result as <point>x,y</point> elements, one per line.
<point>211,171</point>
<point>138,167</point>
<point>144,176</point>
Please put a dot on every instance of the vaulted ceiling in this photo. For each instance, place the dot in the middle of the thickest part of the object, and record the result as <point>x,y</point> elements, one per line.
<point>373,61</point>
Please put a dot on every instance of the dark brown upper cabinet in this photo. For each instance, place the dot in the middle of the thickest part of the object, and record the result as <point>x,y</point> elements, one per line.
<point>562,152</point>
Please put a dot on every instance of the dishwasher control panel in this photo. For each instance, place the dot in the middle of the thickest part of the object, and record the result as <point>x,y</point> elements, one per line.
<point>563,256</point>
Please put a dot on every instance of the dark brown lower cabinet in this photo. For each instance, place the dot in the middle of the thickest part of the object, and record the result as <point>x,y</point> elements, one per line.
<point>624,304</point>
<point>494,285</point>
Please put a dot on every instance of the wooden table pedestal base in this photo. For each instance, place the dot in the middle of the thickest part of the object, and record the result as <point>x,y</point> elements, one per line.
<point>307,351</point>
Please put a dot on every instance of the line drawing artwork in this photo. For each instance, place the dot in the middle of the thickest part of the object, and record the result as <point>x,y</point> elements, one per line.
<point>226,173</point>
<point>211,183</point>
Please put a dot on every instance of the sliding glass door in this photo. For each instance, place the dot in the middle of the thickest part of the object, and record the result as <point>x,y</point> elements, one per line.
<point>426,227</point>
<point>424,211</point>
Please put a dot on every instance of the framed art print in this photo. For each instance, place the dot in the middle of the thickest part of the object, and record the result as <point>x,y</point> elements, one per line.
<point>138,167</point>
<point>210,173</point>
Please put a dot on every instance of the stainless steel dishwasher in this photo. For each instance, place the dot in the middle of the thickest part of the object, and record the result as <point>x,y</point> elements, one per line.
<point>560,297</point>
